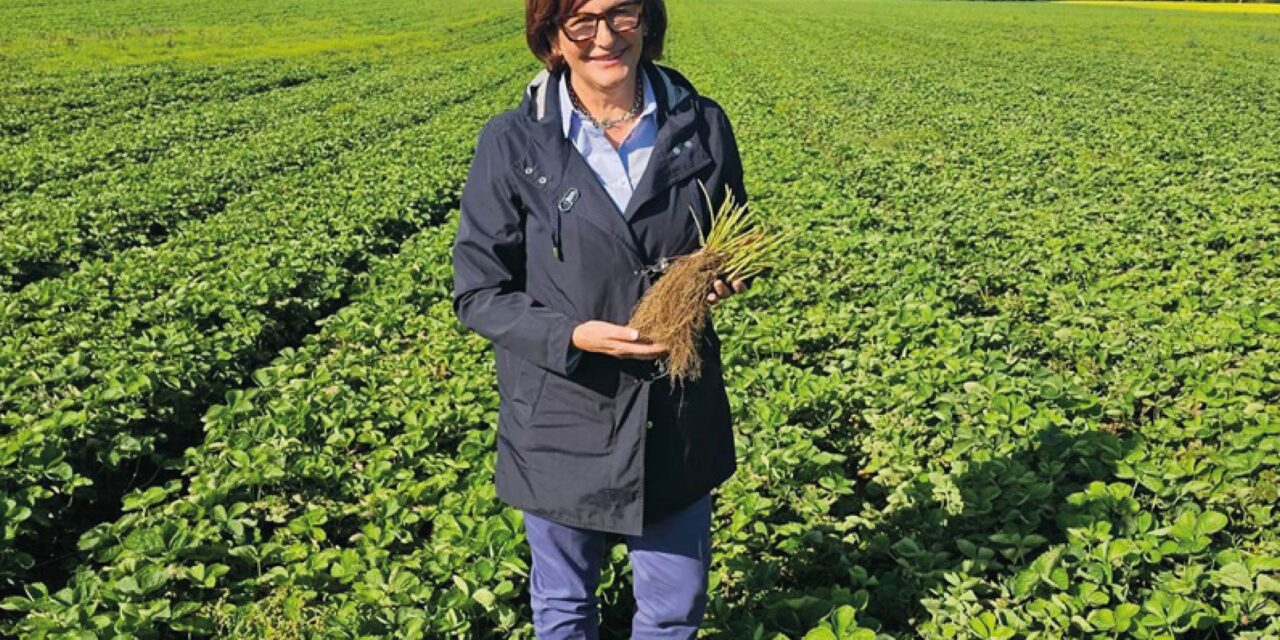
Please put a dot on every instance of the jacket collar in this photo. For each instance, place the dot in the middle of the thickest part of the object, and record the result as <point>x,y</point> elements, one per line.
<point>569,115</point>
<point>671,89</point>
<point>679,151</point>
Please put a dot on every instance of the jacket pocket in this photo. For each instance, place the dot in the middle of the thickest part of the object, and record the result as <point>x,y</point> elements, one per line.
<point>571,418</point>
<point>528,389</point>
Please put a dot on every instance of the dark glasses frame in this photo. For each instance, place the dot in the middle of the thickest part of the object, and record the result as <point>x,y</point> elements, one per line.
<point>608,17</point>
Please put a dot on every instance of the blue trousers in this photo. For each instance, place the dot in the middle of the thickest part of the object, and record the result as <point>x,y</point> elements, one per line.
<point>669,565</point>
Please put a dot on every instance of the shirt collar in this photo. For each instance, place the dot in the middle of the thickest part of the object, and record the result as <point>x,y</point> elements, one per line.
<point>570,116</point>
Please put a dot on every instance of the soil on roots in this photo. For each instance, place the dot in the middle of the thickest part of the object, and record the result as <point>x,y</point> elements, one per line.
<point>674,311</point>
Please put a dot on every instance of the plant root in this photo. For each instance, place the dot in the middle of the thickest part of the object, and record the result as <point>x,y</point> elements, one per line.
<point>674,311</point>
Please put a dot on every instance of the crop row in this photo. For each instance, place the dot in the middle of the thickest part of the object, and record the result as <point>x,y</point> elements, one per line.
<point>90,93</point>
<point>100,367</point>
<point>47,107</point>
<point>337,482</point>
<point>224,101</point>
<point>62,156</point>
<point>139,204</point>
<point>142,203</point>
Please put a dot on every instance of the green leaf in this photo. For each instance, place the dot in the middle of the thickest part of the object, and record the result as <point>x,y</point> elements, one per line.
<point>987,626</point>
<point>1210,522</point>
<point>485,597</point>
<point>1024,582</point>
<point>1124,615</point>
<point>1235,574</point>
<point>844,619</point>
<point>1103,619</point>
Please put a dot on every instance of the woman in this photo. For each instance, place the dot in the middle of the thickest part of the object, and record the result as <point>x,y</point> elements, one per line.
<point>572,200</point>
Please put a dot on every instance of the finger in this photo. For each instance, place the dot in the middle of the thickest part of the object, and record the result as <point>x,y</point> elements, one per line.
<point>722,289</point>
<point>646,352</point>
<point>739,286</point>
<point>625,334</point>
<point>654,349</point>
<point>712,298</point>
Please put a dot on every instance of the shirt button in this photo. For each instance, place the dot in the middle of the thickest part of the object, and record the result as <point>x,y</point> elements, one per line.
<point>542,179</point>
<point>528,170</point>
<point>648,424</point>
<point>688,144</point>
<point>675,151</point>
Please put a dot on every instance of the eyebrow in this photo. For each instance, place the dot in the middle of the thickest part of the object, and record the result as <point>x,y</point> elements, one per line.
<point>627,3</point>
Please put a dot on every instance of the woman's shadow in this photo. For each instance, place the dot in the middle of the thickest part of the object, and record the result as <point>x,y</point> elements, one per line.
<point>936,524</point>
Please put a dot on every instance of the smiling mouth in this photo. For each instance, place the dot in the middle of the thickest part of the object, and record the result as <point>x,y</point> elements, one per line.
<point>608,58</point>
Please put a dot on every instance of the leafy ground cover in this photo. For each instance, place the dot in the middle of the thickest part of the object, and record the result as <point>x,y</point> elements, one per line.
<point>1018,378</point>
<point>103,365</point>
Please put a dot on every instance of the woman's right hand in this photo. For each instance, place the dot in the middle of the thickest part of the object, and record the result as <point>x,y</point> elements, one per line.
<point>615,340</point>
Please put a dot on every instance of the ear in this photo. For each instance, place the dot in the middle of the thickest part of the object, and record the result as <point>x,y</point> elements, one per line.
<point>553,39</point>
<point>556,54</point>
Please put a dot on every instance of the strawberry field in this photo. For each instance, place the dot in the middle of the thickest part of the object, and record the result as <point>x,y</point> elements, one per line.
<point>1018,376</point>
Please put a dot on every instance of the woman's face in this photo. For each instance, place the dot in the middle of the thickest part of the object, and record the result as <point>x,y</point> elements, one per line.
<point>609,59</point>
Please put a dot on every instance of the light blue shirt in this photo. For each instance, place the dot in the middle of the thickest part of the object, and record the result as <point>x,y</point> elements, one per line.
<point>618,170</point>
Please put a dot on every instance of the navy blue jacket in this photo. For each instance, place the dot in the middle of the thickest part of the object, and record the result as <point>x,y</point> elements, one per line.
<point>540,248</point>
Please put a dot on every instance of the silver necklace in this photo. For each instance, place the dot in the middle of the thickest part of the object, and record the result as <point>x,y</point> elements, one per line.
<point>608,123</point>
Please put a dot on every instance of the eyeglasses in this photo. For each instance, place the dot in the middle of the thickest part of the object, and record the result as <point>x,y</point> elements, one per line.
<point>580,27</point>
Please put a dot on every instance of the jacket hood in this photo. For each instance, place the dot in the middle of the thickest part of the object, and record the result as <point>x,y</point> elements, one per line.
<point>673,91</point>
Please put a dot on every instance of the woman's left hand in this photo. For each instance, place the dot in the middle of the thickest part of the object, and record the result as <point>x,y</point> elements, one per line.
<point>723,290</point>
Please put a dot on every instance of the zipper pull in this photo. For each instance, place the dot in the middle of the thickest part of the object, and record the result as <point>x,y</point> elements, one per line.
<point>566,203</point>
<point>555,237</point>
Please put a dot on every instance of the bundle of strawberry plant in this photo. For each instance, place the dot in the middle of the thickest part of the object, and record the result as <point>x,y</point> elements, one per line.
<point>674,310</point>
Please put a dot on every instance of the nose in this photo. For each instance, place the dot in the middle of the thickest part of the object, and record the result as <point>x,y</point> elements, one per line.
<point>604,35</point>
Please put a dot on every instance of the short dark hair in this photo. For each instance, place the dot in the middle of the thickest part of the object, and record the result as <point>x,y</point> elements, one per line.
<point>542,19</point>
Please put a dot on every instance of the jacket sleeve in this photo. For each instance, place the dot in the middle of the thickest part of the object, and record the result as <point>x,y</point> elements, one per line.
<point>488,268</point>
<point>733,163</point>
